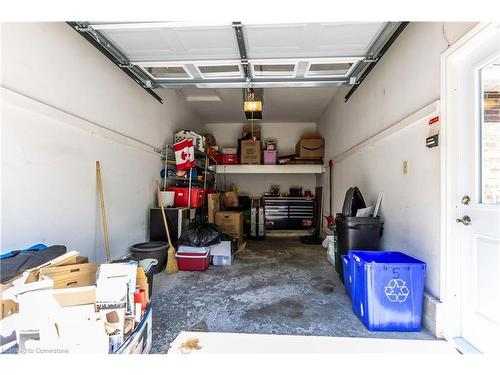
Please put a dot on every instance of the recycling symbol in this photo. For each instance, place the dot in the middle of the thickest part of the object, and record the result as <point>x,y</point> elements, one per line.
<point>396,290</point>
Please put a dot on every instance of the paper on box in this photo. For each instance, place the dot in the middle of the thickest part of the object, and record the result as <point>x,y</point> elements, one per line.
<point>126,273</point>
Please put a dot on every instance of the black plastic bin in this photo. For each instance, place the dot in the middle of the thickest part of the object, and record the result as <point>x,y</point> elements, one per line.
<point>356,233</point>
<point>154,249</point>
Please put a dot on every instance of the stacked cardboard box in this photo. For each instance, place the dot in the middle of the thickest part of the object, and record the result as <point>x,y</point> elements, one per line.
<point>231,223</point>
<point>310,147</point>
<point>250,152</point>
<point>74,307</point>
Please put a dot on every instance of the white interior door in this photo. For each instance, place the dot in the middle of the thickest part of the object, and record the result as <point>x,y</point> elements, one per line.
<point>479,186</point>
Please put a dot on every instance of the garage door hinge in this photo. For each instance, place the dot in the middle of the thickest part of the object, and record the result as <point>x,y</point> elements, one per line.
<point>84,29</point>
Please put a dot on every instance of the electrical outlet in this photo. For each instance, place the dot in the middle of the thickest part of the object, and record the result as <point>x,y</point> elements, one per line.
<point>405,167</point>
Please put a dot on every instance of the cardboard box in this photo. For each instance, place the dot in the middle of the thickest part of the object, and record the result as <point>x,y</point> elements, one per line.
<point>231,223</point>
<point>247,131</point>
<point>213,206</point>
<point>230,199</point>
<point>8,306</point>
<point>71,276</point>
<point>141,282</point>
<point>250,152</point>
<point>310,148</point>
<point>117,275</point>
<point>62,319</point>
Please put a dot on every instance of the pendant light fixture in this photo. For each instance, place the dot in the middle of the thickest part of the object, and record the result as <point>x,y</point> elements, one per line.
<point>253,103</point>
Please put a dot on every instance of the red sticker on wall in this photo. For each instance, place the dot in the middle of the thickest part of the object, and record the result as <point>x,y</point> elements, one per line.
<point>433,120</point>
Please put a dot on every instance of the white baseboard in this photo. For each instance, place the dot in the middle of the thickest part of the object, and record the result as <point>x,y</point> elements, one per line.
<point>432,315</point>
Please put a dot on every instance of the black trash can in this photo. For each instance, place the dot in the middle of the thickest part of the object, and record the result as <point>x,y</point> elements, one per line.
<point>355,233</point>
<point>154,249</point>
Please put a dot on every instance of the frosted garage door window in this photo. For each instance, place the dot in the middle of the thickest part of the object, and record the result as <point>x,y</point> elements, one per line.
<point>328,69</point>
<point>281,70</point>
<point>171,72</point>
<point>220,70</point>
<point>490,133</point>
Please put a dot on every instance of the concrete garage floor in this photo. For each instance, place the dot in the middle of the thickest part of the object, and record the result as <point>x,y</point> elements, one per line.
<point>275,286</point>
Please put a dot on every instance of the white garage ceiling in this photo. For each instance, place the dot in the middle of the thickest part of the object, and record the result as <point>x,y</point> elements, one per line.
<point>280,104</point>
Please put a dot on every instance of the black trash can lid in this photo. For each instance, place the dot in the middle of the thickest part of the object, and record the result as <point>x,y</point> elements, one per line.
<point>353,202</point>
<point>149,246</point>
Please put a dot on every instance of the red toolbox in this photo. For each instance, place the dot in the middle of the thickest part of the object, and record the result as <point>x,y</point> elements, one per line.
<point>193,261</point>
<point>229,159</point>
<point>182,195</point>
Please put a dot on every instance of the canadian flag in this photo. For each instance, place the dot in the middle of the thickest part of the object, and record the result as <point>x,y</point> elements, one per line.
<point>184,154</point>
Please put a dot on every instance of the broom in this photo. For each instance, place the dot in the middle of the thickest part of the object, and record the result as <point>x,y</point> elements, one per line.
<point>171,261</point>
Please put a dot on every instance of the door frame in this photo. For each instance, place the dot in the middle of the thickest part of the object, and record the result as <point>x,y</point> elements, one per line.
<point>450,281</point>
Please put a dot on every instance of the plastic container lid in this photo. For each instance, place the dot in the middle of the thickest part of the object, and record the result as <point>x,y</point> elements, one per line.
<point>352,202</point>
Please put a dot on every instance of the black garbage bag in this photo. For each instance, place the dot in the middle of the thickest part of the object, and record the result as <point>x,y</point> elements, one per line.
<point>200,233</point>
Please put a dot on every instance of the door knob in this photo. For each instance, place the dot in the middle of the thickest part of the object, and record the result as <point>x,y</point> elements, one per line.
<point>465,220</point>
<point>465,199</point>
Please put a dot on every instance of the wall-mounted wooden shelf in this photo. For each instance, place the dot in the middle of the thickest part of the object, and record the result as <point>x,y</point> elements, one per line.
<point>279,168</point>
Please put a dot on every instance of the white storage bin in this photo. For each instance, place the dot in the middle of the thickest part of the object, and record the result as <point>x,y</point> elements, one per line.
<point>223,249</point>
<point>219,260</point>
<point>168,198</point>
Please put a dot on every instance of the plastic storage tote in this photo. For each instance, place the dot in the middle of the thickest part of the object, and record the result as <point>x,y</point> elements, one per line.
<point>270,156</point>
<point>347,275</point>
<point>192,261</point>
<point>181,198</point>
<point>387,290</point>
<point>227,159</point>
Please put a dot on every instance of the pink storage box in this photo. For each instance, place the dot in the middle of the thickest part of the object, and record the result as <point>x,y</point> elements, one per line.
<point>270,156</point>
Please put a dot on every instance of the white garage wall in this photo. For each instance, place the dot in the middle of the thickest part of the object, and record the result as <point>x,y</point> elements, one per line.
<point>287,134</point>
<point>48,165</point>
<point>404,81</point>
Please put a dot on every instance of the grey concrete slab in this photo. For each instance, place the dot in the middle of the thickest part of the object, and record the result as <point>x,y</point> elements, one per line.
<point>276,286</point>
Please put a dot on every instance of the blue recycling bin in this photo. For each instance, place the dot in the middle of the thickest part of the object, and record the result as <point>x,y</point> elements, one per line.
<point>387,290</point>
<point>347,275</point>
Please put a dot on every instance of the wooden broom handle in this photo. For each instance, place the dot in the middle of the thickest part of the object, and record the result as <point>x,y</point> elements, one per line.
<point>160,202</point>
<point>103,210</point>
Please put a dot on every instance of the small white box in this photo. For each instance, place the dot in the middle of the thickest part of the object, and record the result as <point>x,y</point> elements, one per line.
<point>229,150</point>
<point>221,249</point>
